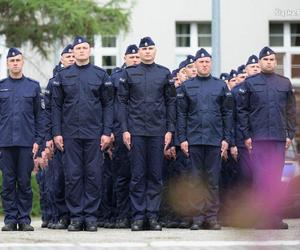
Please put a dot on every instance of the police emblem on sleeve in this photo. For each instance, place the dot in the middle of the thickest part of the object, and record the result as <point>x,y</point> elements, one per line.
<point>242,91</point>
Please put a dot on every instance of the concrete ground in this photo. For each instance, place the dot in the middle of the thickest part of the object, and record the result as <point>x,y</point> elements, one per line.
<point>227,238</point>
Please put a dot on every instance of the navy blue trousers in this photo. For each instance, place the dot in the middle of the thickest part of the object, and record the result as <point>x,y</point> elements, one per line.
<point>146,158</point>
<point>107,209</point>
<point>50,186</point>
<point>44,202</point>
<point>245,170</point>
<point>268,162</point>
<point>83,163</point>
<point>59,187</point>
<point>206,167</point>
<point>17,165</point>
<point>121,166</point>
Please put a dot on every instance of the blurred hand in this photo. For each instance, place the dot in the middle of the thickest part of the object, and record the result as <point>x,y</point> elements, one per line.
<point>248,144</point>
<point>224,155</point>
<point>112,137</point>
<point>234,152</point>
<point>168,139</point>
<point>105,142</point>
<point>173,153</point>
<point>288,143</point>
<point>59,142</point>
<point>50,145</point>
<point>35,150</point>
<point>185,148</point>
<point>167,154</point>
<point>109,151</point>
<point>49,149</point>
<point>127,139</point>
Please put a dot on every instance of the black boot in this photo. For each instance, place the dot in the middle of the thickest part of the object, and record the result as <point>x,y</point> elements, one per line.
<point>75,226</point>
<point>25,227</point>
<point>9,227</point>
<point>137,225</point>
<point>154,225</point>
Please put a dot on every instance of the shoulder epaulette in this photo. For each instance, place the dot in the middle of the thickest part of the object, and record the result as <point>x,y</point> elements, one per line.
<point>32,80</point>
<point>115,71</point>
<point>99,68</point>
<point>284,77</point>
<point>160,66</point>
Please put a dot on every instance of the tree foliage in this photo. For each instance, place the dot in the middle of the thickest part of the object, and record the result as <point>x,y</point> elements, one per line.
<point>43,22</point>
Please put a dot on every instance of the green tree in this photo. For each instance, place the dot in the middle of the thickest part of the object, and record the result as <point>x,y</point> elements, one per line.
<point>43,22</point>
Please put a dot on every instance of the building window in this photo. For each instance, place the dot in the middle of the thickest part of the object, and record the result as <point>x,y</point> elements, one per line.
<point>109,41</point>
<point>190,36</point>
<point>295,34</point>
<point>280,60</point>
<point>204,34</point>
<point>295,70</point>
<point>276,34</point>
<point>109,63</point>
<point>183,35</point>
<point>106,52</point>
<point>284,37</point>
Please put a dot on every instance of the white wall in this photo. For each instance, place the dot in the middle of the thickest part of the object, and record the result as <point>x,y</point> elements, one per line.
<point>245,27</point>
<point>244,30</point>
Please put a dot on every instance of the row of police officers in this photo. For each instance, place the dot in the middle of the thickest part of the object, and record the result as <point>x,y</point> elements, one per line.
<point>104,142</point>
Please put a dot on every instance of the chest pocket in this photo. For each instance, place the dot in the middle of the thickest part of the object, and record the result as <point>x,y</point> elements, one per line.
<point>28,99</point>
<point>69,88</point>
<point>282,94</point>
<point>136,86</point>
<point>4,101</point>
<point>135,80</point>
<point>94,87</point>
<point>214,100</point>
<point>258,95</point>
<point>192,94</point>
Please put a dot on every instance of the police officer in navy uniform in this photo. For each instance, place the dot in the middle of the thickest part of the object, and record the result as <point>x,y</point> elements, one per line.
<point>147,113</point>
<point>121,164</point>
<point>54,171</point>
<point>204,120</point>
<point>82,118</point>
<point>252,65</point>
<point>267,119</point>
<point>244,161</point>
<point>20,137</point>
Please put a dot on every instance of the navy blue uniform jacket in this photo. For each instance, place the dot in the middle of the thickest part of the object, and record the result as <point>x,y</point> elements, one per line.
<point>82,102</point>
<point>204,112</point>
<point>147,99</point>
<point>20,112</point>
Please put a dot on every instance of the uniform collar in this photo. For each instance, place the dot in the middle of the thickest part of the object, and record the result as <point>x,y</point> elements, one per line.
<point>83,66</point>
<point>16,79</point>
<point>204,77</point>
<point>147,65</point>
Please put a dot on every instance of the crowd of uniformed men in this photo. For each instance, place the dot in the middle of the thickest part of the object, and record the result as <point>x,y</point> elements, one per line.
<point>106,148</point>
